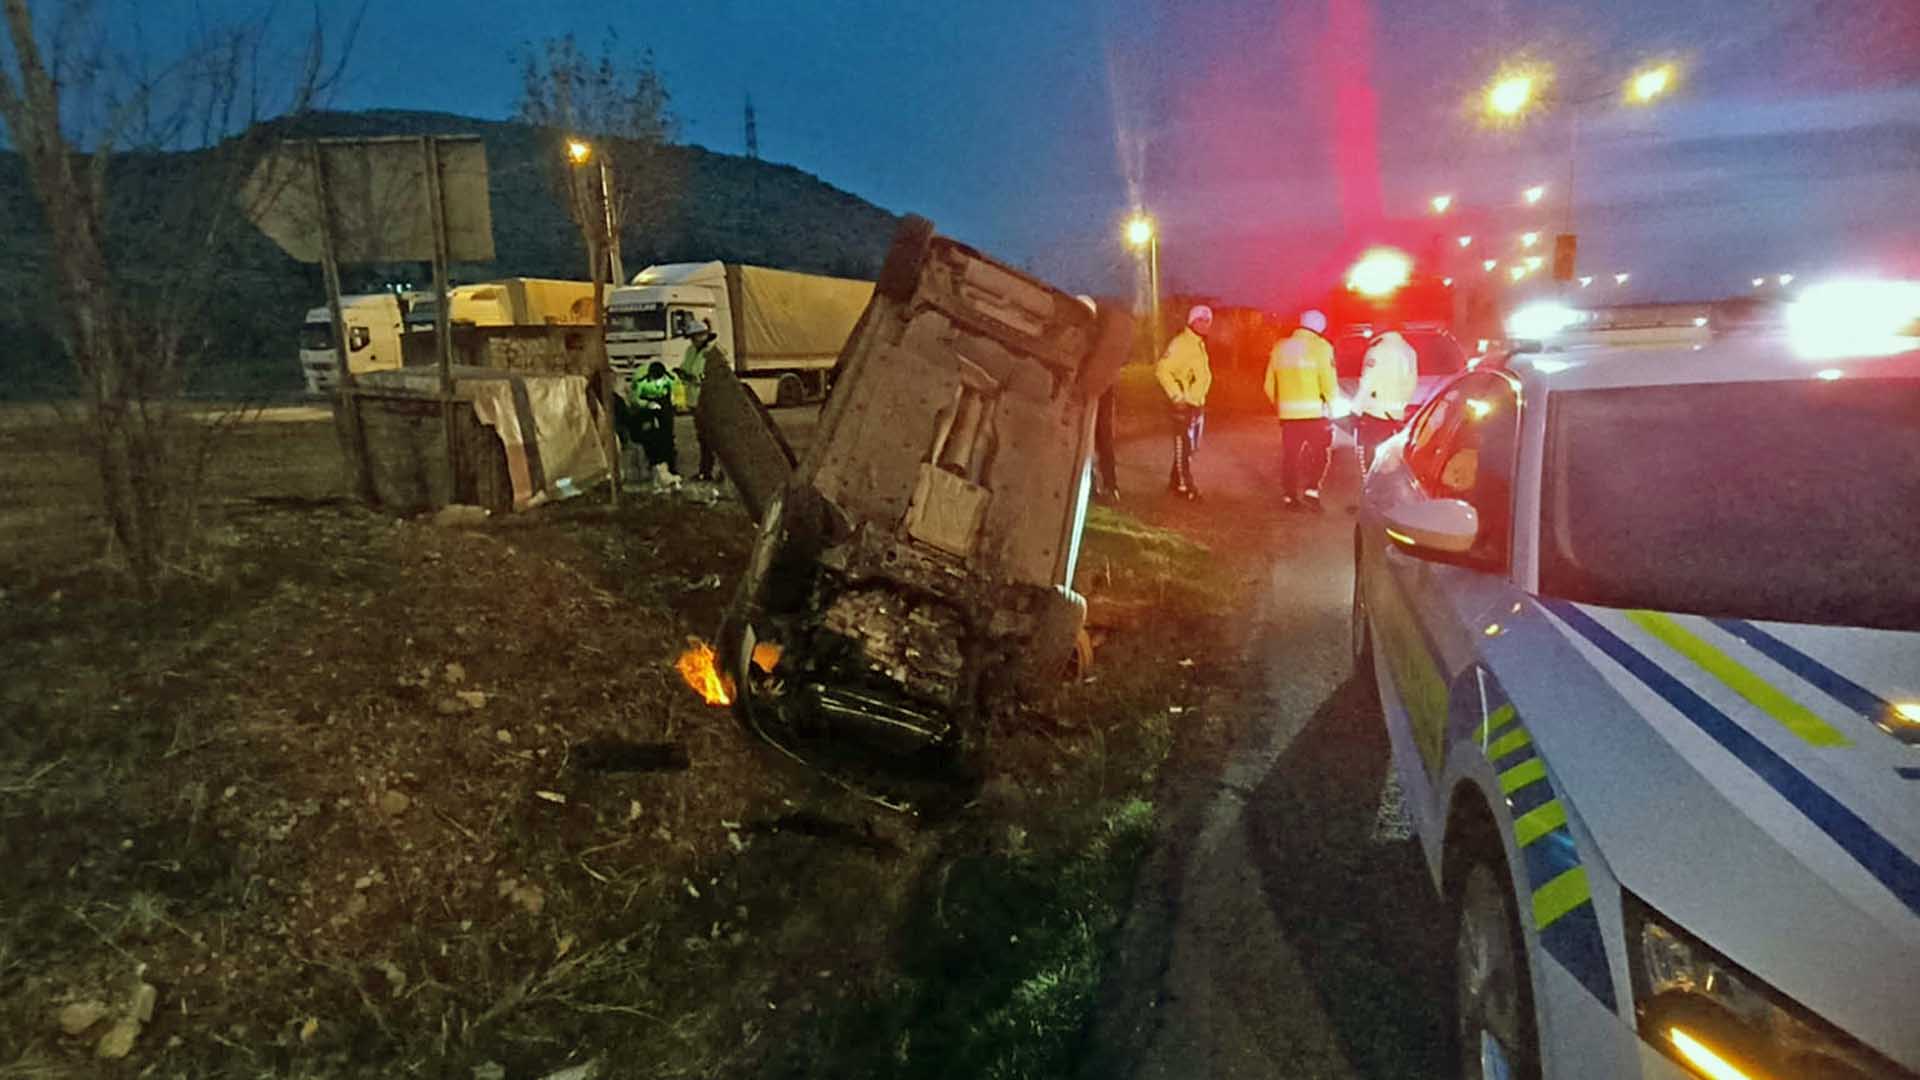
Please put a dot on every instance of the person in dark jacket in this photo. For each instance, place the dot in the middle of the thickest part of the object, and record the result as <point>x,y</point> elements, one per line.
<point>651,397</point>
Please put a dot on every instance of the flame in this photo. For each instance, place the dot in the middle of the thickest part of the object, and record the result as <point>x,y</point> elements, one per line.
<point>697,665</point>
<point>766,656</point>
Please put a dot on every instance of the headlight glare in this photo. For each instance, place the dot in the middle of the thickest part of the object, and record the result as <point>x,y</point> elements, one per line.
<point>1708,1013</point>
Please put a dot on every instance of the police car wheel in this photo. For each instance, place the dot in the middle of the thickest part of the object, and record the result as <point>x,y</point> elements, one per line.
<point>1494,993</point>
<point>1362,636</point>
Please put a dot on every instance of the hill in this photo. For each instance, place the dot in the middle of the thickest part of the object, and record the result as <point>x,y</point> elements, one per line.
<point>709,206</point>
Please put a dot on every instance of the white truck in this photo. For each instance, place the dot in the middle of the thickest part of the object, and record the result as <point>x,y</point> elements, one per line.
<point>782,329</point>
<point>374,323</point>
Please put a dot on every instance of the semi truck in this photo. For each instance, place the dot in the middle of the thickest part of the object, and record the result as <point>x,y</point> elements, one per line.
<point>374,323</point>
<point>782,329</point>
<point>516,301</point>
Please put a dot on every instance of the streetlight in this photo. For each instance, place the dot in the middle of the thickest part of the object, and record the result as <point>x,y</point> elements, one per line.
<point>1141,234</point>
<point>1785,280</point>
<point>1534,194</point>
<point>1466,241</point>
<point>1440,203</point>
<point>1621,279</point>
<point>1586,281</point>
<point>1759,281</point>
<point>1528,239</point>
<point>1509,95</point>
<point>1517,272</point>
<point>1447,281</point>
<point>580,153</point>
<point>1649,83</point>
<point>1489,264</point>
<point>1534,262</point>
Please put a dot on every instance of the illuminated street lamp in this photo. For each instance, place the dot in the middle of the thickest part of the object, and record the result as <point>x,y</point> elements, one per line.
<point>1447,281</point>
<point>1143,237</point>
<point>1534,194</point>
<point>1649,83</point>
<point>1586,281</point>
<point>1510,95</point>
<point>1785,280</point>
<point>1517,272</point>
<point>1759,281</point>
<point>1621,279</point>
<point>1534,262</point>
<point>1466,241</point>
<point>1489,264</point>
<point>580,153</point>
<point>1528,239</point>
<point>1440,203</point>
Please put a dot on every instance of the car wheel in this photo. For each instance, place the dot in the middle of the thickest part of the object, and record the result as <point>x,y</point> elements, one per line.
<point>1493,989</point>
<point>790,391</point>
<point>900,274</point>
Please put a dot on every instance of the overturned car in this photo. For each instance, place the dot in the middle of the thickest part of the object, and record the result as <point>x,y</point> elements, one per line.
<point>911,577</point>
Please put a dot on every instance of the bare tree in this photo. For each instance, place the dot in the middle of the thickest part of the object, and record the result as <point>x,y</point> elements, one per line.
<point>134,164</point>
<point>604,122</point>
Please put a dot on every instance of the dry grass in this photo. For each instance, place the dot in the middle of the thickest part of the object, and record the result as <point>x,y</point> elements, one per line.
<point>265,796</point>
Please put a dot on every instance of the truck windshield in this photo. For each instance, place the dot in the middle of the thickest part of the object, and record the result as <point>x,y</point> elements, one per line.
<point>1791,502</point>
<point>316,336</point>
<point>648,321</point>
<point>423,313</point>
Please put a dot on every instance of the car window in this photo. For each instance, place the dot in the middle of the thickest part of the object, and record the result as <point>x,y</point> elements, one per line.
<point>1799,507</point>
<point>1466,451</point>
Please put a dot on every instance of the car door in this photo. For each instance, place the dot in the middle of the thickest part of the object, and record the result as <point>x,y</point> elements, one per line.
<point>1431,609</point>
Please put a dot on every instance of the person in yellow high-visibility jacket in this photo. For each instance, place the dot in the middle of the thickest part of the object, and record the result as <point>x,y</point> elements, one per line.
<point>1389,377</point>
<point>1185,376</point>
<point>1302,387</point>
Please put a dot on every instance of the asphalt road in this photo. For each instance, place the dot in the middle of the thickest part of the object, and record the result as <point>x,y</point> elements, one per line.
<point>1300,935</point>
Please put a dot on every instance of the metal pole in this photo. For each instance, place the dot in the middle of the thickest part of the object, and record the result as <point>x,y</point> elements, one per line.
<point>355,437</point>
<point>1153,283</point>
<point>613,233</point>
<point>443,315</point>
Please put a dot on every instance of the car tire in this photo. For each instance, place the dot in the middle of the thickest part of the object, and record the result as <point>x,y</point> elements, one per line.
<point>1493,987</point>
<point>789,392</point>
<point>900,274</point>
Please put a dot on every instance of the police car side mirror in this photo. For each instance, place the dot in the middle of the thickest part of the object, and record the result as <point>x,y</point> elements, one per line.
<point>1440,526</point>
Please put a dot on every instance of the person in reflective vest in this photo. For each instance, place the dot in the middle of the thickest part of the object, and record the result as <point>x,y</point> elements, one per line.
<point>1185,376</point>
<point>651,397</point>
<point>1388,377</point>
<point>1302,387</point>
<point>703,349</point>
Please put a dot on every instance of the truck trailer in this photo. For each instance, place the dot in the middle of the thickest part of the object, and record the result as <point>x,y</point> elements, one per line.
<point>782,329</point>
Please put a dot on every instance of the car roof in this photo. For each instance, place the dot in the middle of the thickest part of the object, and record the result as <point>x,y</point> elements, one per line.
<point>1724,359</point>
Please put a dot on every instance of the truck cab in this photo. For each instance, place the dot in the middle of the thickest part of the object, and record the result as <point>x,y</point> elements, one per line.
<point>373,322</point>
<point>650,320</point>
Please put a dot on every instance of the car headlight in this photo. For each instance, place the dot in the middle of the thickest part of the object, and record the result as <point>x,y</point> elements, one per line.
<point>1708,1013</point>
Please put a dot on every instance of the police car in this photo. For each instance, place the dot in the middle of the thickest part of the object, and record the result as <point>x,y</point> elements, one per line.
<point>1645,626</point>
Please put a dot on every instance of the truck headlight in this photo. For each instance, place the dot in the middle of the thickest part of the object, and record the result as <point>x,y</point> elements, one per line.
<point>1709,1014</point>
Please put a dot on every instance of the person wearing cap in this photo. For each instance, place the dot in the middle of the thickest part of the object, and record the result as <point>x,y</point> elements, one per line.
<point>1388,377</point>
<point>703,349</point>
<point>1185,377</point>
<point>1302,387</point>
